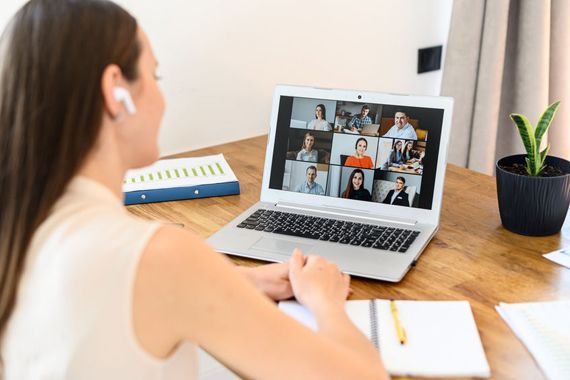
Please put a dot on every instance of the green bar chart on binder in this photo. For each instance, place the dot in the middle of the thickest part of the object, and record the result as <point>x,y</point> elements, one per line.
<point>180,172</point>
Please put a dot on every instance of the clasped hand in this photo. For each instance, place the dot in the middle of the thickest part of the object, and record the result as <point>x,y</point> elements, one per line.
<point>311,279</point>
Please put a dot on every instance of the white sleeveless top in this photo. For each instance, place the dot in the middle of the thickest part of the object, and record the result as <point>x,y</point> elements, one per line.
<point>73,315</point>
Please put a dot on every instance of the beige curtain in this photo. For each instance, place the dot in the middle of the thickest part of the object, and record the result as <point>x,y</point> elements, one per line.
<point>503,57</point>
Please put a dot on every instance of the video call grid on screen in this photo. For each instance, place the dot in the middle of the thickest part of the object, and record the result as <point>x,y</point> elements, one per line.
<point>368,152</point>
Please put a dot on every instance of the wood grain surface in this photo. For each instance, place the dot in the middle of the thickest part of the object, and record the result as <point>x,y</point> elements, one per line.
<point>472,257</point>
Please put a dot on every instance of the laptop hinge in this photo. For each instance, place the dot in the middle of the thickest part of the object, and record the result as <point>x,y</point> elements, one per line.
<point>347,212</point>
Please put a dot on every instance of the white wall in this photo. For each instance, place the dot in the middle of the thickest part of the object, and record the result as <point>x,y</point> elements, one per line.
<point>384,150</point>
<point>221,59</point>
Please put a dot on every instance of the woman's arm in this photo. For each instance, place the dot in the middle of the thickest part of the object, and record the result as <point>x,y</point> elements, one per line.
<point>270,279</point>
<point>186,291</point>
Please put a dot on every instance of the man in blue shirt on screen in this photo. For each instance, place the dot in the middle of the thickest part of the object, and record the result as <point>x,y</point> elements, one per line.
<point>361,119</point>
<point>310,186</point>
<point>401,129</point>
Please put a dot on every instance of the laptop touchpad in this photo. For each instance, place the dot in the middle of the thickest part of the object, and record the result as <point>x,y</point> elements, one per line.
<point>284,247</point>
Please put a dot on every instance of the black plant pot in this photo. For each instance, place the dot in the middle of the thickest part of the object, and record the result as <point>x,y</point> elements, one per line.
<point>534,206</point>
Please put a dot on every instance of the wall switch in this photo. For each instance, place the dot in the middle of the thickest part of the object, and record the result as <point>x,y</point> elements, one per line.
<point>429,59</point>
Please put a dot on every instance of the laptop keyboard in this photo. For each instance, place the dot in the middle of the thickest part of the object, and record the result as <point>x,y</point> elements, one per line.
<point>335,231</point>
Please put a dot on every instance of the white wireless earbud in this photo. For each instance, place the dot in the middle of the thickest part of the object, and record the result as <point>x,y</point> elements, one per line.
<point>121,94</point>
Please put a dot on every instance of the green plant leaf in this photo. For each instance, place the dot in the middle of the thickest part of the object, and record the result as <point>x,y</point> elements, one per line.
<point>543,155</point>
<point>537,160</point>
<point>527,135</point>
<point>527,167</point>
<point>544,122</point>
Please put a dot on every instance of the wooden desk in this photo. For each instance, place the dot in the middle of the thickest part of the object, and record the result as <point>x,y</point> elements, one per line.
<point>472,256</point>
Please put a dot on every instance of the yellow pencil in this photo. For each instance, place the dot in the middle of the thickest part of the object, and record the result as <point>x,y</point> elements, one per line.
<point>399,328</point>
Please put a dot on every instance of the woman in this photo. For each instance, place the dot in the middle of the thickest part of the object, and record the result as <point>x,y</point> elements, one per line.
<point>87,290</point>
<point>355,187</point>
<point>359,160</point>
<point>396,156</point>
<point>407,153</point>
<point>307,153</point>
<point>320,123</point>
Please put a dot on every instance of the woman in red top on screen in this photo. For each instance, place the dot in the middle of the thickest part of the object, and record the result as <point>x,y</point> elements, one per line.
<point>359,160</point>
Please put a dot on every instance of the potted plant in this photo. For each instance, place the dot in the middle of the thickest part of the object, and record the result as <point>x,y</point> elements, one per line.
<point>533,189</point>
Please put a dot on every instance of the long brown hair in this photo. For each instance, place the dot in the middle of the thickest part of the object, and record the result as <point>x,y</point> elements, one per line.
<point>411,144</point>
<point>347,193</point>
<point>308,134</point>
<point>51,109</point>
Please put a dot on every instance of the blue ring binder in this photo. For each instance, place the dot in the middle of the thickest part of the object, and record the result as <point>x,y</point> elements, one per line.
<point>181,193</point>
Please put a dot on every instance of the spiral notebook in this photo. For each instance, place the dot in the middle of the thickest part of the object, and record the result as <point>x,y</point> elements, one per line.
<point>442,338</point>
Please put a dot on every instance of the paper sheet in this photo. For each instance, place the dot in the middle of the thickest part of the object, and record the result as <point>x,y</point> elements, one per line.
<point>544,328</point>
<point>211,369</point>
<point>561,256</point>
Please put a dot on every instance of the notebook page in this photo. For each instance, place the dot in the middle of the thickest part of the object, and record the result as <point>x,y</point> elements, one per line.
<point>442,340</point>
<point>358,312</point>
<point>299,312</point>
<point>544,328</point>
<point>212,369</point>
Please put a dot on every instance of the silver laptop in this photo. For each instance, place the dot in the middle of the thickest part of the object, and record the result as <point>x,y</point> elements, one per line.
<point>370,129</point>
<point>336,197</point>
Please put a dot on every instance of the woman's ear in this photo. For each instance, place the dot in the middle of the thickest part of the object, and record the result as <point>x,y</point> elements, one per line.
<point>110,79</point>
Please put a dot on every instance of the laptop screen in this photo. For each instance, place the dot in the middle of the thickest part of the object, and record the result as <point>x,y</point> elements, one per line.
<point>382,153</point>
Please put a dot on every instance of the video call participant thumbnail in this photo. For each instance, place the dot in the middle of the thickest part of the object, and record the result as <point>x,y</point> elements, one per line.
<point>361,119</point>
<point>402,129</point>
<point>355,187</point>
<point>307,153</point>
<point>359,160</point>
<point>310,186</point>
<point>398,195</point>
<point>396,156</point>
<point>408,151</point>
<point>320,123</point>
